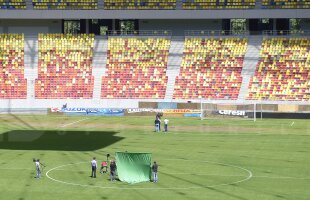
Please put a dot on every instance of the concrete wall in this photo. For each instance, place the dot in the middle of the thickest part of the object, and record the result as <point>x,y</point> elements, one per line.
<point>305,24</point>
<point>155,14</point>
<point>178,26</point>
<point>31,27</point>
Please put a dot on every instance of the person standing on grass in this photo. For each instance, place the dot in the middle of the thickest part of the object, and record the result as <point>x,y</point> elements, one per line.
<point>166,121</point>
<point>157,125</point>
<point>158,116</point>
<point>154,172</point>
<point>93,167</point>
<point>112,170</point>
<point>38,168</point>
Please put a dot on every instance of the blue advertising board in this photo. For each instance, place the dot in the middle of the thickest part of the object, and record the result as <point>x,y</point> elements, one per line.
<point>93,111</point>
<point>191,115</point>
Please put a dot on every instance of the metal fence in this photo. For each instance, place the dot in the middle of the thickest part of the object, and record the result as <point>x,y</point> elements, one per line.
<point>139,33</point>
<point>194,33</point>
<point>287,32</point>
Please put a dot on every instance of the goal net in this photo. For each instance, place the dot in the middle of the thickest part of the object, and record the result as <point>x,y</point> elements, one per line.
<point>229,111</point>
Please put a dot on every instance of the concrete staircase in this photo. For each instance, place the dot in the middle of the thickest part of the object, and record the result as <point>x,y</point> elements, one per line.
<point>29,4</point>
<point>31,64</point>
<point>258,4</point>
<point>99,64</point>
<point>179,5</point>
<point>249,64</point>
<point>100,4</point>
<point>174,63</point>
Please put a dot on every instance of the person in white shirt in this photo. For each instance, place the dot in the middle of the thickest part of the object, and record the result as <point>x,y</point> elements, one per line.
<point>166,121</point>
<point>38,168</point>
<point>93,167</point>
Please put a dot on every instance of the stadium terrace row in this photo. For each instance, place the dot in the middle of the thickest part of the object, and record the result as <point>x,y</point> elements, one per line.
<point>12,4</point>
<point>152,4</point>
<point>136,68</point>
<point>283,71</point>
<point>65,66</point>
<point>12,82</point>
<point>211,69</point>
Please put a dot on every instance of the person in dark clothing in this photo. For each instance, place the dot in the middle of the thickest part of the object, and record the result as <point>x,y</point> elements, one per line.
<point>157,124</point>
<point>158,116</point>
<point>93,168</point>
<point>154,172</point>
<point>112,170</point>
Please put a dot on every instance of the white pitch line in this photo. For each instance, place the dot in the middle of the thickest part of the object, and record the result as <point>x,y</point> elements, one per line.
<point>17,169</point>
<point>250,175</point>
<point>223,175</point>
<point>194,174</point>
<point>73,122</point>
<point>282,177</point>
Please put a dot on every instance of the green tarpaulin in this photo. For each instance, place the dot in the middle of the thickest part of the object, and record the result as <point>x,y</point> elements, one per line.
<point>133,167</point>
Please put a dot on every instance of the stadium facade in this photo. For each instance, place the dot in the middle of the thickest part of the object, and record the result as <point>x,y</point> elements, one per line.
<point>248,37</point>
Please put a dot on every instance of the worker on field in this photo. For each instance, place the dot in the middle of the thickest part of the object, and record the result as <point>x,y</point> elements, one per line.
<point>112,170</point>
<point>154,172</point>
<point>93,168</point>
<point>166,121</point>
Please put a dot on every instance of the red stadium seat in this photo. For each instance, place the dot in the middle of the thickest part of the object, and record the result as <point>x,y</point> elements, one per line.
<point>65,67</point>
<point>13,85</point>
<point>136,68</point>
<point>283,71</point>
<point>211,69</point>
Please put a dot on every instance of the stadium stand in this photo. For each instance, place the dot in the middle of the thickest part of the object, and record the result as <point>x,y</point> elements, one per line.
<point>218,4</point>
<point>139,4</point>
<point>136,68</point>
<point>286,4</point>
<point>12,4</point>
<point>211,68</point>
<point>65,4</point>
<point>283,70</point>
<point>13,85</point>
<point>65,66</point>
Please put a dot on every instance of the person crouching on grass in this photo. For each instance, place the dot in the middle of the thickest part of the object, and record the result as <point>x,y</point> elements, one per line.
<point>104,165</point>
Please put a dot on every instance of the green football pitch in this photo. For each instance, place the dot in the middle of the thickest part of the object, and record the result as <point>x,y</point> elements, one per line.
<point>209,159</point>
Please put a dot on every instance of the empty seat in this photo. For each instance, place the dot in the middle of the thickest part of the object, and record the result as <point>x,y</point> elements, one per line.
<point>12,4</point>
<point>218,4</point>
<point>13,85</point>
<point>65,67</point>
<point>211,68</point>
<point>283,71</point>
<point>139,4</point>
<point>136,68</point>
<point>65,4</point>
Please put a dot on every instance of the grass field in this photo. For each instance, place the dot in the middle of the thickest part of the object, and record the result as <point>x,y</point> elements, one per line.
<point>210,159</point>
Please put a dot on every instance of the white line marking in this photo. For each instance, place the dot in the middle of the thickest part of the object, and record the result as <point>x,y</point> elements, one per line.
<point>17,169</point>
<point>195,174</point>
<point>181,173</point>
<point>250,175</point>
<point>74,122</point>
<point>282,177</point>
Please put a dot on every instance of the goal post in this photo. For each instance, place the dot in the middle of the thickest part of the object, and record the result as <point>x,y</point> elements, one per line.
<point>227,111</point>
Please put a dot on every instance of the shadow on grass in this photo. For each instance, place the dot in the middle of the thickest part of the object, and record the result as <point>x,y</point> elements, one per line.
<point>57,140</point>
